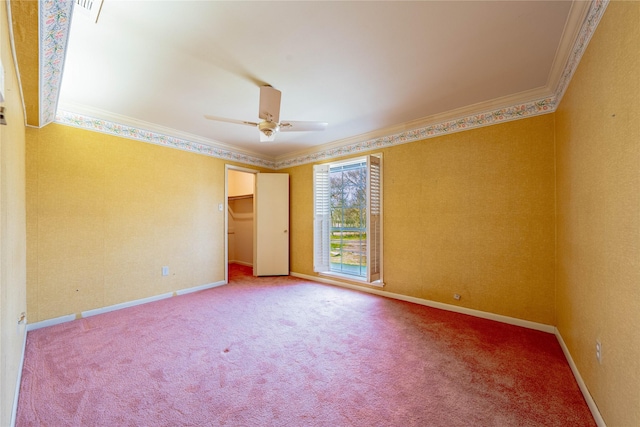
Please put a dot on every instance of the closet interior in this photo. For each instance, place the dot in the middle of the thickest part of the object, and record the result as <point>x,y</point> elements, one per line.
<point>240,192</point>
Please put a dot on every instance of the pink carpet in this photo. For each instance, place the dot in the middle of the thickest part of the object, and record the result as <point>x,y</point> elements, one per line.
<point>288,352</point>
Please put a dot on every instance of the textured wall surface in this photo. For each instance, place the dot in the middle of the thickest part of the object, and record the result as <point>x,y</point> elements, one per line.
<point>241,225</point>
<point>26,38</point>
<point>598,158</point>
<point>13,300</point>
<point>105,214</point>
<point>469,213</point>
<point>240,183</point>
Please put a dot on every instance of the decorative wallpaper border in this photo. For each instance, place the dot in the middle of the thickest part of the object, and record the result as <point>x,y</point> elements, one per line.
<point>596,10</point>
<point>54,22</point>
<point>530,109</point>
<point>54,34</point>
<point>124,131</point>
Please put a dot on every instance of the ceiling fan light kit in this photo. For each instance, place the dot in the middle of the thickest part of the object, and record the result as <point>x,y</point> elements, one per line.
<point>269,112</point>
<point>268,130</point>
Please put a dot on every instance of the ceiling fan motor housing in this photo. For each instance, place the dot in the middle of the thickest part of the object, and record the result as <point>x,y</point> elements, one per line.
<point>269,113</point>
<point>268,128</point>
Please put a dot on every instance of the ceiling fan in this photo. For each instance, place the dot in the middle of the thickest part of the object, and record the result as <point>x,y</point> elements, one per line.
<point>269,112</point>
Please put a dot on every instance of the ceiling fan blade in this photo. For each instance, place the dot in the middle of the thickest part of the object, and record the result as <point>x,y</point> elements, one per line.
<point>269,104</point>
<point>302,126</point>
<point>223,119</point>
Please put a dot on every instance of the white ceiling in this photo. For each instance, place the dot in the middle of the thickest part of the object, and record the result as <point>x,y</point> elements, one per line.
<point>364,67</point>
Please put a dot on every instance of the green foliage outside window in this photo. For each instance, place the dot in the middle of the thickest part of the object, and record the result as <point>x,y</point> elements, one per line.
<point>348,205</point>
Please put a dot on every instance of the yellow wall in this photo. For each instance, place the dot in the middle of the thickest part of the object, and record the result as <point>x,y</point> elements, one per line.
<point>240,183</point>
<point>469,213</point>
<point>598,184</point>
<point>240,230</point>
<point>12,229</point>
<point>104,214</point>
<point>26,38</point>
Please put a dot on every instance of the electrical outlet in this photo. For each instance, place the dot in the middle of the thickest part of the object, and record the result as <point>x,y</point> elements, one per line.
<point>456,297</point>
<point>165,271</point>
<point>599,351</point>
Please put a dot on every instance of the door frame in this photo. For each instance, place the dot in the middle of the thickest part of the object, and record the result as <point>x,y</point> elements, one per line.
<point>228,167</point>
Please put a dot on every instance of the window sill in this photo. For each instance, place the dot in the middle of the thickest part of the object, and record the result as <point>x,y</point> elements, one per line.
<point>351,279</point>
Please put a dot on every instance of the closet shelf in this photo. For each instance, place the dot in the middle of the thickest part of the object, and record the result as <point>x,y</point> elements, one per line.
<point>246,196</point>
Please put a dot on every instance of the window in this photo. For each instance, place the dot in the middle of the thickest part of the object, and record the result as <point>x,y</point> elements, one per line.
<point>348,218</point>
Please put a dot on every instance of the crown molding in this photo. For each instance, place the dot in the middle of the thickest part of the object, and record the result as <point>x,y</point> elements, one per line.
<point>119,119</point>
<point>55,18</point>
<point>581,24</point>
<point>587,28</point>
<point>54,21</point>
<point>583,19</point>
<point>487,118</point>
<point>448,119</point>
<point>452,115</point>
<point>565,50</point>
<point>140,134</point>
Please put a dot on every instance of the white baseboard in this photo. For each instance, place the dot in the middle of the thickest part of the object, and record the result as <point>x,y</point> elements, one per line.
<point>51,322</point>
<point>127,304</point>
<point>200,288</point>
<point>16,397</point>
<point>583,387</point>
<point>246,264</point>
<point>94,312</point>
<point>485,315</point>
<point>434,304</point>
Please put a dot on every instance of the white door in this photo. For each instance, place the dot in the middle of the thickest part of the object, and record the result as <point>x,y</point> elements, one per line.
<point>271,245</point>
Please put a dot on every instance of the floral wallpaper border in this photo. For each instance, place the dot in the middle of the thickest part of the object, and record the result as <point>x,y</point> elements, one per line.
<point>55,22</point>
<point>530,109</point>
<point>596,10</point>
<point>124,131</point>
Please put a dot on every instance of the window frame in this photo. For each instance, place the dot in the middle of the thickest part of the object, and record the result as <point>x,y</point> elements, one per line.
<point>374,210</point>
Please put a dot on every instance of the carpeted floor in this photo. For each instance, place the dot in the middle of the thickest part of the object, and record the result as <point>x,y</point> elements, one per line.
<point>288,352</point>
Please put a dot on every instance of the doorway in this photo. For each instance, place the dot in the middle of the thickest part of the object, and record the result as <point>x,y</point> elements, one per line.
<point>239,216</point>
<point>257,221</point>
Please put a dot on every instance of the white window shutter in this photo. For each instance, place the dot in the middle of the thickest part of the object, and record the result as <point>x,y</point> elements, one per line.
<point>374,218</point>
<point>321,218</point>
